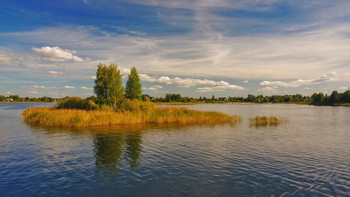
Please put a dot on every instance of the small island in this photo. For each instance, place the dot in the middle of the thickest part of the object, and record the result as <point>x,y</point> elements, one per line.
<point>116,105</point>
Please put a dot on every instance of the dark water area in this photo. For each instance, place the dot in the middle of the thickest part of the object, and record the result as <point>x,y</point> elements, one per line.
<point>308,156</point>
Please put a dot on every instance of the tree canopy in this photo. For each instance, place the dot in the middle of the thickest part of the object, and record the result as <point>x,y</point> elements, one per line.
<point>133,86</point>
<point>108,85</point>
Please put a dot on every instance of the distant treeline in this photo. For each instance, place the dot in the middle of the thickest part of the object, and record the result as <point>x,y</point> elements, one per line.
<point>16,98</point>
<point>334,99</point>
<point>316,99</point>
<point>251,98</point>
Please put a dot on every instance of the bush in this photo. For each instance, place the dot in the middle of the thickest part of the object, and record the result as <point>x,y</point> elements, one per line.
<point>76,103</point>
<point>135,105</point>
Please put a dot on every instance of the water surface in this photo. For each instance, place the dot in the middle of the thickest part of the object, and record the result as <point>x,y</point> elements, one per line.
<point>308,156</point>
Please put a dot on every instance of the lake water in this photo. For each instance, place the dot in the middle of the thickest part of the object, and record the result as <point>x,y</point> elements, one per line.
<point>308,156</point>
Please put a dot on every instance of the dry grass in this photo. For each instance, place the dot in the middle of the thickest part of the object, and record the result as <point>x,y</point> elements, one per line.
<point>177,103</point>
<point>267,121</point>
<point>50,117</point>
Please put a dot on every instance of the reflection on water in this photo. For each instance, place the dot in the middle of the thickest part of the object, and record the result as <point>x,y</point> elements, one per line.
<point>108,151</point>
<point>111,149</point>
<point>309,156</point>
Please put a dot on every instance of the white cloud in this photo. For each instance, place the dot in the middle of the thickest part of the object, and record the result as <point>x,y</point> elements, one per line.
<point>69,87</point>
<point>268,89</point>
<point>86,88</point>
<point>39,87</point>
<point>327,77</point>
<point>9,59</point>
<point>56,54</point>
<point>31,92</point>
<point>53,73</point>
<point>188,82</point>
<point>154,88</point>
<point>245,81</point>
<point>343,89</point>
<point>8,93</point>
<point>222,86</point>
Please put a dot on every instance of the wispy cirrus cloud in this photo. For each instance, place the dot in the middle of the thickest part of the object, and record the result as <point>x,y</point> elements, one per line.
<point>9,59</point>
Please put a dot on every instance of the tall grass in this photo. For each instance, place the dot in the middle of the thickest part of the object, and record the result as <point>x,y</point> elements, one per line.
<point>50,117</point>
<point>267,121</point>
<point>177,103</point>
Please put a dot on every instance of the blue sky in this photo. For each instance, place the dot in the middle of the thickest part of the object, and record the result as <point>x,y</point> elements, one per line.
<point>196,48</point>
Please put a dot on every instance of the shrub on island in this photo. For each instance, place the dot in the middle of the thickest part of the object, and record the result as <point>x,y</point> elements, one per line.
<point>76,103</point>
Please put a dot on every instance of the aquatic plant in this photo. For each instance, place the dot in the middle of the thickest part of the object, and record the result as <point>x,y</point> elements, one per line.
<point>51,117</point>
<point>267,121</point>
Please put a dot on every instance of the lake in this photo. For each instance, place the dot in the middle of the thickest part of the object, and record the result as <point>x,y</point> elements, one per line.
<point>307,156</point>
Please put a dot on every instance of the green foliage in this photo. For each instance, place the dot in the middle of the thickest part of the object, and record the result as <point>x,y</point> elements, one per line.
<point>76,103</point>
<point>133,88</point>
<point>108,85</point>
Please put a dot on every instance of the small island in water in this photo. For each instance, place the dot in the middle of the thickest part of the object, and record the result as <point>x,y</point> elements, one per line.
<point>116,105</point>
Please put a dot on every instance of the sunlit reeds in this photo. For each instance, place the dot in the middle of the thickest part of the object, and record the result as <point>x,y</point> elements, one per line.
<point>50,117</point>
<point>177,103</point>
<point>267,121</point>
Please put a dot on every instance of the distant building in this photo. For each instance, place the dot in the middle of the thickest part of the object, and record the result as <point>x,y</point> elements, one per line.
<point>9,100</point>
<point>222,99</point>
<point>148,98</point>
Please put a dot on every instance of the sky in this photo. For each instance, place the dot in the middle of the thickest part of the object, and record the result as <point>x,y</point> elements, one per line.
<point>194,47</point>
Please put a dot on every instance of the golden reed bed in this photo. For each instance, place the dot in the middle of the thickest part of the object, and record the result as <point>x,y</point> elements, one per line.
<point>267,121</point>
<point>50,117</point>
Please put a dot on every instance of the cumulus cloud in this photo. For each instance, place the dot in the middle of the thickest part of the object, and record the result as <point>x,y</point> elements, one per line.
<point>268,89</point>
<point>39,87</point>
<point>343,89</point>
<point>8,93</point>
<point>188,82</point>
<point>31,92</point>
<point>86,88</point>
<point>56,54</point>
<point>222,86</point>
<point>296,83</point>
<point>69,87</point>
<point>154,88</point>
<point>53,73</point>
<point>9,59</point>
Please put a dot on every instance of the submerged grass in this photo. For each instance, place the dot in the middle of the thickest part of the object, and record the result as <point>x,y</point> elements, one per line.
<point>267,121</point>
<point>50,117</point>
